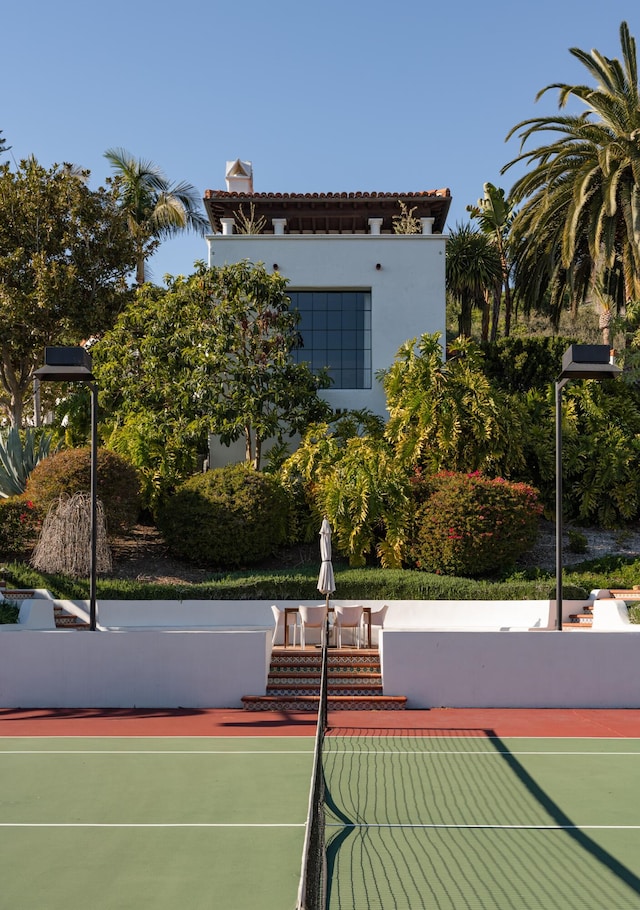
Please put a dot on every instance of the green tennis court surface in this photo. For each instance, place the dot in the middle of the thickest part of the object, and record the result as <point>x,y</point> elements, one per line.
<point>152,822</point>
<point>481,822</point>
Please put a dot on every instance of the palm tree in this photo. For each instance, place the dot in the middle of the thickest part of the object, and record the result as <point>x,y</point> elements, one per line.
<point>494,215</point>
<point>580,218</point>
<point>473,270</point>
<point>155,207</point>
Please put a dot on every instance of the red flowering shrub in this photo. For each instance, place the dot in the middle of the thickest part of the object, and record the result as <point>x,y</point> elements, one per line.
<point>20,522</point>
<point>469,525</point>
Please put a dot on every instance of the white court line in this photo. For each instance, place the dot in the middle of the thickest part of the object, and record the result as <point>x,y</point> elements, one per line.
<point>482,826</point>
<point>148,752</point>
<point>493,753</point>
<point>150,825</point>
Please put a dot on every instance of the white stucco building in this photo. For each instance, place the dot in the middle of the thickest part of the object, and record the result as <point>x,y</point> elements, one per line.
<point>362,289</point>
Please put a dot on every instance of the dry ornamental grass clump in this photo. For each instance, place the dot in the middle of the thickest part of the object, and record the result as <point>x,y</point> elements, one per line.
<point>64,546</point>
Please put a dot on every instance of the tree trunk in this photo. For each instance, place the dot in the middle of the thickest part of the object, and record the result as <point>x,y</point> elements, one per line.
<point>485,318</point>
<point>15,387</point>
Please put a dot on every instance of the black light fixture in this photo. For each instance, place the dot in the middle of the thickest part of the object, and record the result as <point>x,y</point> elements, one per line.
<point>579,361</point>
<point>67,364</point>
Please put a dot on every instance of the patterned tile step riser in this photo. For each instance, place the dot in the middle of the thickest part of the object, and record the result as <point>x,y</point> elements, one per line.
<point>343,670</point>
<point>296,689</point>
<point>304,704</point>
<point>64,620</point>
<point>303,679</point>
<point>341,693</point>
<point>312,661</point>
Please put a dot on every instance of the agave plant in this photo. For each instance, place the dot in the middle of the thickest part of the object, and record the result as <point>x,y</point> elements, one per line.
<point>19,457</point>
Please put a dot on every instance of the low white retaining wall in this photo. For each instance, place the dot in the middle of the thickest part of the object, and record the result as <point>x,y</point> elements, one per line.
<point>256,614</point>
<point>178,654</point>
<point>143,669</point>
<point>518,670</point>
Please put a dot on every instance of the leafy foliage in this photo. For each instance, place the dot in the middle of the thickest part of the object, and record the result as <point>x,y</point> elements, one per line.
<point>494,214</point>
<point>19,454</point>
<point>69,471</point>
<point>209,354</point>
<point>518,364</point>
<point>580,198</point>
<point>406,222</point>
<point>20,521</point>
<point>155,208</point>
<point>9,612</point>
<point>601,450</point>
<point>471,526</point>
<point>360,486</point>
<point>65,253</point>
<point>449,414</point>
<point>229,516</point>
<point>473,271</point>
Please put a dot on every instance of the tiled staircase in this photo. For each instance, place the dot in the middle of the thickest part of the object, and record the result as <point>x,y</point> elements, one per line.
<point>354,682</point>
<point>66,620</point>
<point>579,622</point>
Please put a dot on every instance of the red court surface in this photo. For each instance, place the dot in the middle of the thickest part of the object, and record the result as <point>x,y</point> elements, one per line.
<point>502,722</point>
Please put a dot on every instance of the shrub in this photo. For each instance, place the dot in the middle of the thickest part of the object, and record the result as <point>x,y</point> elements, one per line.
<point>229,516</point>
<point>9,612</point>
<point>69,472</point>
<point>471,526</point>
<point>518,364</point>
<point>20,522</point>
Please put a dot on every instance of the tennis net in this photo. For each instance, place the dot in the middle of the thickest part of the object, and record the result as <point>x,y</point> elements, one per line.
<point>312,890</point>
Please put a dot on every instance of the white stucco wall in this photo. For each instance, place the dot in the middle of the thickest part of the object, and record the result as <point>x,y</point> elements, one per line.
<point>512,669</point>
<point>133,669</point>
<point>407,291</point>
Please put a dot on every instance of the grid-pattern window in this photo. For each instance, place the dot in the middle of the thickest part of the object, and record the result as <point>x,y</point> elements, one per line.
<point>336,333</point>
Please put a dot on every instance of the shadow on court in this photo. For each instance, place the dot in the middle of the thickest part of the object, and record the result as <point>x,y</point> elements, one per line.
<point>458,821</point>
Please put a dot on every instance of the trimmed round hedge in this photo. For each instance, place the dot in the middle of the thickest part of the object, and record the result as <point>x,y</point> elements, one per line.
<point>69,471</point>
<point>228,517</point>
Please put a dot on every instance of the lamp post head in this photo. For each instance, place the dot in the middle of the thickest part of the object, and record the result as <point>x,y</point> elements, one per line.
<point>65,364</point>
<point>588,361</point>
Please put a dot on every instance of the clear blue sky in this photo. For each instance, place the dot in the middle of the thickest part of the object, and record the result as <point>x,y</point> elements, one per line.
<point>330,96</point>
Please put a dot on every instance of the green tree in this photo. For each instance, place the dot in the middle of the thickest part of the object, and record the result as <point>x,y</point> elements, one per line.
<point>351,475</point>
<point>494,214</point>
<point>210,353</point>
<point>3,144</point>
<point>448,415</point>
<point>473,271</point>
<point>579,221</point>
<point>155,207</point>
<point>65,253</point>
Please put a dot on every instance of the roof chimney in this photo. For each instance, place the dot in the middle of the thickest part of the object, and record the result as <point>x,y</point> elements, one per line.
<point>239,177</point>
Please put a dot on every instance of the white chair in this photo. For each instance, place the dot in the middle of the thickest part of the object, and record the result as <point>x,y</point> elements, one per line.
<point>311,618</point>
<point>278,616</point>
<point>349,618</point>
<point>376,617</point>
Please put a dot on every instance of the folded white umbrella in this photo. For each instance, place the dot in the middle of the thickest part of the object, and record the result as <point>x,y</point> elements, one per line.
<point>326,579</point>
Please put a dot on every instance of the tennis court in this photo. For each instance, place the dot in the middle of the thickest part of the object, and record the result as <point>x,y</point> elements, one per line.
<point>475,820</point>
<point>152,822</point>
<point>431,809</point>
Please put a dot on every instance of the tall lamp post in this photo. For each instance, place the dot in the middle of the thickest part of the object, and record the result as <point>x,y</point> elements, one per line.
<point>579,361</point>
<point>74,365</point>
